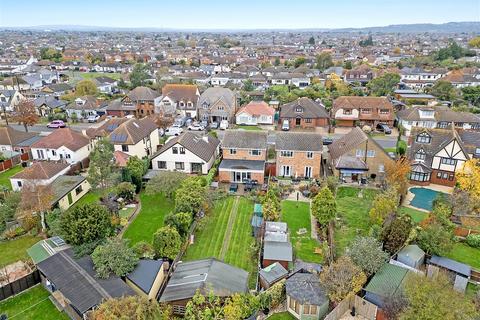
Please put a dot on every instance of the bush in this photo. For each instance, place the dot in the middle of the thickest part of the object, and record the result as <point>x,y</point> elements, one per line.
<point>125,190</point>
<point>401,147</point>
<point>145,250</point>
<point>473,240</point>
<point>114,257</point>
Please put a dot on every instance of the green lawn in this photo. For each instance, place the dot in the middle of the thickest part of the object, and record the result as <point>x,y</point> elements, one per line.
<point>5,176</point>
<point>416,215</point>
<point>353,215</point>
<point>126,212</point>
<point>463,253</point>
<point>31,304</point>
<point>394,150</point>
<point>149,219</point>
<point>249,128</point>
<point>282,316</point>
<point>89,197</point>
<point>297,216</point>
<point>16,249</point>
<point>92,75</point>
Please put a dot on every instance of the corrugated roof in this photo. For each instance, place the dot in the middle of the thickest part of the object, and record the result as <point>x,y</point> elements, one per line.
<point>387,280</point>
<point>451,265</point>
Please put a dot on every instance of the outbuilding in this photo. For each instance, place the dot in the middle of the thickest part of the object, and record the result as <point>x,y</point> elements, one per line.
<point>411,256</point>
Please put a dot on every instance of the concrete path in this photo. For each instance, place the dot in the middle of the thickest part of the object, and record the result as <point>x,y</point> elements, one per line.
<point>228,232</point>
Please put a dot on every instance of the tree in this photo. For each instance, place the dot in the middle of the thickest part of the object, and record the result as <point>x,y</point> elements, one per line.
<point>139,75</point>
<point>248,85</point>
<point>26,113</point>
<point>125,190</point>
<point>102,173</point>
<point>115,256</point>
<point>366,42</point>
<point>395,234</point>
<point>276,62</point>
<point>202,307</point>
<point>431,299</point>
<point>324,61</point>
<point>240,306</point>
<point>468,178</point>
<point>167,242</point>
<point>384,204</point>
<point>8,208</point>
<point>163,122</point>
<point>36,199</point>
<point>324,207</point>
<point>144,249</point>
<point>271,204</point>
<point>311,40</point>
<point>181,221</point>
<point>299,61</point>
<point>384,85</point>
<point>166,182</point>
<point>191,195</point>
<point>85,223</point>
<point>136,168</point>
<point>436,239</point>
<point>50,54</point>
<point>397,174</point>
<point>86,88</point>
<point>472,95</point>
<point>132,308</point>
<point>342,279</point>
<point>474,42</point>
<point>443,90</point>
<point>367,253</point>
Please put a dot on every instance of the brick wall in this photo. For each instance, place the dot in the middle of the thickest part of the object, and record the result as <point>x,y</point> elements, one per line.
<point>243,154</point>
<point>444,182</point>
<point>299,161</point>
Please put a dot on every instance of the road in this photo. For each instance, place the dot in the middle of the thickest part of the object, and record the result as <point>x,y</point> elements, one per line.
<point>41,128</point>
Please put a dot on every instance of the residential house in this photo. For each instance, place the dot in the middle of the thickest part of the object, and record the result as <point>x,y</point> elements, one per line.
<point>298,154</point>
<point>244,155</point>
<point>306,297</point>
<point>217,104</point>
<point>15,140</point>
<point>459,79</point>
<point>9,99</point>
<point>276,245</point>
<point>58,89</point>
<point>204,276</point>
<point>105,84</point>
<point>67,190</point>
<point>418,78</point>
<point>361,74</point>
<point>304,113</point>
<point>83,107</point>
<point>255,113</point>
<point>350,111</point>
<point>62,145</point>
<point>181,99</point>
<point>471,142</point>
<point>121,108</point>
<point>410,96</point>
<point>356,155</point>
<point>436,155</point>
<point>39,173</point>
<point>189,152</point>
<point>147,278</point>
<point>144,99</point>
<point>49,104</point>
<point>135,137</point>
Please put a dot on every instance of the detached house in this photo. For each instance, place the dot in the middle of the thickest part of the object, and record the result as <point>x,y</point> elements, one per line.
<point>362,74</point>
<point>190,153</point>
<point>304,113</point>
<point>15,140</point>
<point>352,111</point>
<point>86,106</point>
<point>255,113</point>
<point>144,99</point>
<point>217,104</point>
<point>298,154</point>
<point>39,173</point>
<point>135,137</point>
<point>244,156</point>
<point>179,99</point>
<point>62,144</point>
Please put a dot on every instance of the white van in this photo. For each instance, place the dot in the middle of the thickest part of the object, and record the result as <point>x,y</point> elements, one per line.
<point>173,131</point>
<point>285,125</point>
<point>223,124</point>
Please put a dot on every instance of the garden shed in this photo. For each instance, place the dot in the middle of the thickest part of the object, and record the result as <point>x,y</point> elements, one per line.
<point>411,256</point>
<point>385,283</point>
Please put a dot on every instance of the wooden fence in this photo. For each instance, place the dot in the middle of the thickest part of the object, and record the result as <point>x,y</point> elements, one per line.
<point>19,285</point>
<point>362,307</point>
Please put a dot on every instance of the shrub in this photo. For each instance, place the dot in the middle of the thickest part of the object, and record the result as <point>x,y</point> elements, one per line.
<point>473,240</point>
<point>126,190</point>
<point>114,257</point>
<point>143,249</point>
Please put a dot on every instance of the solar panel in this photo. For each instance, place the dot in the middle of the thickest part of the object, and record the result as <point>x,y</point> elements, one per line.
<point>112,127</point>
<point>118,137</point>
<point>57,241</point>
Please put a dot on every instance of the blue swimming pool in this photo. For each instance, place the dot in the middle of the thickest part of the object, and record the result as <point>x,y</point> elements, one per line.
<point>423,198</point>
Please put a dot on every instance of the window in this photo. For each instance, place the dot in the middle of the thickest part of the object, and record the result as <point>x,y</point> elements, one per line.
<point>308,120</point>
<point>309,309</point>
<point>445,176</point>
<point>174,150</point>
<point>124,148</point>
<point>420,155</point>
<point>424,138</point>
<point>233,151</point>
<point>306,309</point>
<point>220,108</point>
<point>420,176</point>
<point>439,175</point>
<point>450,177</point>
<point>371,153</point>
<point>477,151</point>
<point>309,155</point>
<point>448,161</point>
<point>179,166</point>
<point>19,184</point>
<point>68,156</point>
<point>347,111</point>
<point>255,152</point>
<point>54,153</point>
<point>286,154</point>
<point>365,111</point>
<point>313,310</point>
<point>162,164</point>
<point>78,190</point>
<point>384,111</point>
<point>182,150</point>
<point>40,154</point>
<point>360,153</point>
<point>299,109</point>
<point>381,168</point>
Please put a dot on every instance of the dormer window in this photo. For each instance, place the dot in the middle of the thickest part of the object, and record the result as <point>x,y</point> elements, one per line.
<point>420,155</point>
<point>365,111</point>
<point>189,104</point>
<point>424,138</point>
<point>205,105</point>
<point>384,111</point>
<point>181,104</point>
<point>299,109</point>
<point>347,111</point>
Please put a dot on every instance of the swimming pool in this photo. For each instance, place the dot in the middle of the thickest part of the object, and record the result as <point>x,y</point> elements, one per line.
<point>423,198</point>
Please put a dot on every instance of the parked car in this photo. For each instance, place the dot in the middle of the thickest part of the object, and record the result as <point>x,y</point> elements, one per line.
<point>285,125</point>
<point>327,141</point>
<point>179,122</point>
<point>204,123</point>
<point>93,118</point>
<point>188,122</point>
<point>196,127</point>
<point>173,131</point>
<point>56,124</point>
<point>384,128</point>
<point>224,125</point>
<point>130,116</point>
<point>214,125</point>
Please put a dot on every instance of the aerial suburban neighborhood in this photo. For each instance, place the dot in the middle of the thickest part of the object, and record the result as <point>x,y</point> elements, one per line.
<point>269,163</point>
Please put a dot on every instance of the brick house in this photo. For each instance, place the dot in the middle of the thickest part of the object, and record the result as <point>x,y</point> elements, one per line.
<point>298,154</point>
<point>181,99</point>
<point>356,155</point>
<point>244,155</point>
<point>352,111</point>
<point>304,113</point>
<point>144,100</point>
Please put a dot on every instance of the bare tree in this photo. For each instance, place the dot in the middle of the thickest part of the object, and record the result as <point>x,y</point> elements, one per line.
<point>36,199</point>
<point>26,113</point>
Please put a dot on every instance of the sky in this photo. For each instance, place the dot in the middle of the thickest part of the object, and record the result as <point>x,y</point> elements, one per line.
<point>239,14</point>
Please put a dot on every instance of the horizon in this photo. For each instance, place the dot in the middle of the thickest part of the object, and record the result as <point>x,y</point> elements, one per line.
<point>217,15</point>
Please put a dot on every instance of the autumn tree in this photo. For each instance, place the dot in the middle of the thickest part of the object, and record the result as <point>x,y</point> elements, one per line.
<point>26,113</point>
<point>115,256</point>
<point>324,61</point>
<point>397,174</point>
<point>163,122</point>
<point>367,253</point>
<point>271,205</point>
<point>167,242</point>
<point>474,42</point>
<point>36,199</point>
<point>166,182</point>
<point>342,279</point>
<point>395,233</point>
<point>324,207</point>
<point>102,173</point>
<point>133,308</point>
<point>468,180</point>
<point>384,204</point>
<point>86,88</point>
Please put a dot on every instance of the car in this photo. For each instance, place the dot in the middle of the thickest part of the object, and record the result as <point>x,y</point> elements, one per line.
<point>56,124</point>
<point>93,118</point>
<point>327,141</point>
<point>223,124</point>
<point>188,122</point>
<point>130,116</point>
<point>179,122</point>
<point>204,123</point>
<point>196,127</point>
<point>384,128</point>
<point>285,125</point>
<point>214,125</point>
<point>173,131</point>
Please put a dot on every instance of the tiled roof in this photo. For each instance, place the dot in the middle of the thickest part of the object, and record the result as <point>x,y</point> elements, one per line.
<point>66,137</point>
<point>132,131</point>
<point>10,136</point>
<point>298,141</point>
<point>181,92</point>
<point>257,108</point>
<point>143,94</point>
<point>244,139</point>
<point>347,142</point>
<point>310,109</point>
<point>202,146</point>
<point>42,170</point>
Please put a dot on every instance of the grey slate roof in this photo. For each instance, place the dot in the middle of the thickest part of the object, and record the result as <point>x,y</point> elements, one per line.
<point>310,109</point>
<point>242,164</point>
<point>76,280</point>
<point>451,265</point>
<point>145,273</point>
<point>279,251</point>
<point>273,273</point>
<point>350,162</point>
<point>347,142</point>
<point>306,289</point>
<point>298,141</point>
<point>63,185</point>
<point>204,275</point>
<point>244,139</point>
<point>195,143</point>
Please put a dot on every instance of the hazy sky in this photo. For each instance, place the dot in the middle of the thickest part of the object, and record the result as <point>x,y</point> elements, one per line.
<point>238,14</point>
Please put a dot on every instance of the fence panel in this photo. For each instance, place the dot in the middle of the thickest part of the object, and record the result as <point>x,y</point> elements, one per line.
<point>19,285</point>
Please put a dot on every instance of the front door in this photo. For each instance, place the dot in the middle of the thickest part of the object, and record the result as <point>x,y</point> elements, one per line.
<point>297,121</point>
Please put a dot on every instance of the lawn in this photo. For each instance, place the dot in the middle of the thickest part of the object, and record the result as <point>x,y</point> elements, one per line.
<point>92,75</point>
<point>31,304</point>
<point>297,216</point>
<point>352,215</point>
<point>416,215</point>
<point>89,197</point>
<point>463,253</point>
<point>5,176</point>
<point>282,316</point>
<point>394,150</point>
<point>16,249</point>
<point>149,219</point>
<point>249,128</point>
